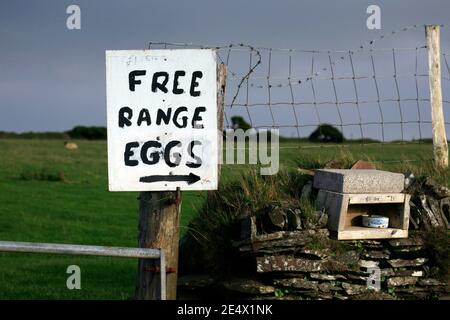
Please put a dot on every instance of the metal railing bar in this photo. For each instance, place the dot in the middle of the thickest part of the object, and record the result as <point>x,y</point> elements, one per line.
<point>86,250</point>
<point>74,249</point>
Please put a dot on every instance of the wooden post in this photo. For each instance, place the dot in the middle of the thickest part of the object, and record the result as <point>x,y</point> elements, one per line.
<point>440,146</point>
<point>159,222</point>
<point>159,227</point>
<point>221,84</point>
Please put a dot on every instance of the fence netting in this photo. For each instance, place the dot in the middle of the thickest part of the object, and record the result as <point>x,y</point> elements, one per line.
<point>374,94</point>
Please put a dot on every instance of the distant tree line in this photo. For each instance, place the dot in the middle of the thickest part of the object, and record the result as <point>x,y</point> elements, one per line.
<point>324,133</point>
<point>78,132</point>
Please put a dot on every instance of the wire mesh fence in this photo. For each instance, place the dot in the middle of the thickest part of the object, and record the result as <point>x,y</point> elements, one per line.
<point>374,95</point>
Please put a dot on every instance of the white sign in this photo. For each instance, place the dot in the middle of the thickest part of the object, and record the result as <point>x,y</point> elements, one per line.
<point>162,120</point>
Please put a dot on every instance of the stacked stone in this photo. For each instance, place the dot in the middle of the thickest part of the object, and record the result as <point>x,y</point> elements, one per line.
<point>288,268</point>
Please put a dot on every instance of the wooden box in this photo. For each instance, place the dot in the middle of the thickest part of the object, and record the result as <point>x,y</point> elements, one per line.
<point>345,214</point>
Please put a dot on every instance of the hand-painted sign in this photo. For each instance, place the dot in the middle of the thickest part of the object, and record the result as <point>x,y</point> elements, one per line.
<point>162,119</point>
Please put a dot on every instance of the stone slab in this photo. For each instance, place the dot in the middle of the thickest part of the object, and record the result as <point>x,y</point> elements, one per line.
<point>283,263</point>
<point>359,181</point>
<point>399,263</point>
<point>401,281</point>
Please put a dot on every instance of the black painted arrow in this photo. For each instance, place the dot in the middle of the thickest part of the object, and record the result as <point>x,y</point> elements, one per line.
<point>190,179</point>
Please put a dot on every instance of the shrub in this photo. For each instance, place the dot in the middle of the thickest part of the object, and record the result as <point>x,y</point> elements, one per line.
<point>326,133</point>
<point>90,133</point>
<point>239,123</point>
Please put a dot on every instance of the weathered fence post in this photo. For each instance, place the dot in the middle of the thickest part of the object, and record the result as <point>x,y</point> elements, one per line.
<point>440,146</point>
<point>159,227</point>
<point>221,84</point>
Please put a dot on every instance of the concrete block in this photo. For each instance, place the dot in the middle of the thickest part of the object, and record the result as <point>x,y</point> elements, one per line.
<point>359,181</point>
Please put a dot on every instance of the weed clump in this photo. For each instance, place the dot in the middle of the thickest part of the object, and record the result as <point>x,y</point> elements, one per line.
<point>437,243</point>
<point>43,174</point>
<point>218,222</point>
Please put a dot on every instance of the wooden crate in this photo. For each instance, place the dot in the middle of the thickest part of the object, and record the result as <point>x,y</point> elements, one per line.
<point>345,214</point>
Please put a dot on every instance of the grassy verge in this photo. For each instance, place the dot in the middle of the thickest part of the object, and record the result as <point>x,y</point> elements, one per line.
<point>50,194</point>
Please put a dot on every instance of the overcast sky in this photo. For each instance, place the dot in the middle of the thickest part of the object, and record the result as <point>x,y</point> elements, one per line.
<point>52,78</point>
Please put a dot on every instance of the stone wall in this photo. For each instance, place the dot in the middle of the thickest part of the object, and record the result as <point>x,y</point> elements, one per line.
<point>307,264</point>
<point>290,255</point>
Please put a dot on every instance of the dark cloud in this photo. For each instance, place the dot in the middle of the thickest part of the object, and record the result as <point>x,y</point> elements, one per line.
<point>52,78</point>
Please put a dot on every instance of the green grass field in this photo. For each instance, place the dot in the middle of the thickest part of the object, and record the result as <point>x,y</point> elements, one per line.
<point>77,208</point>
